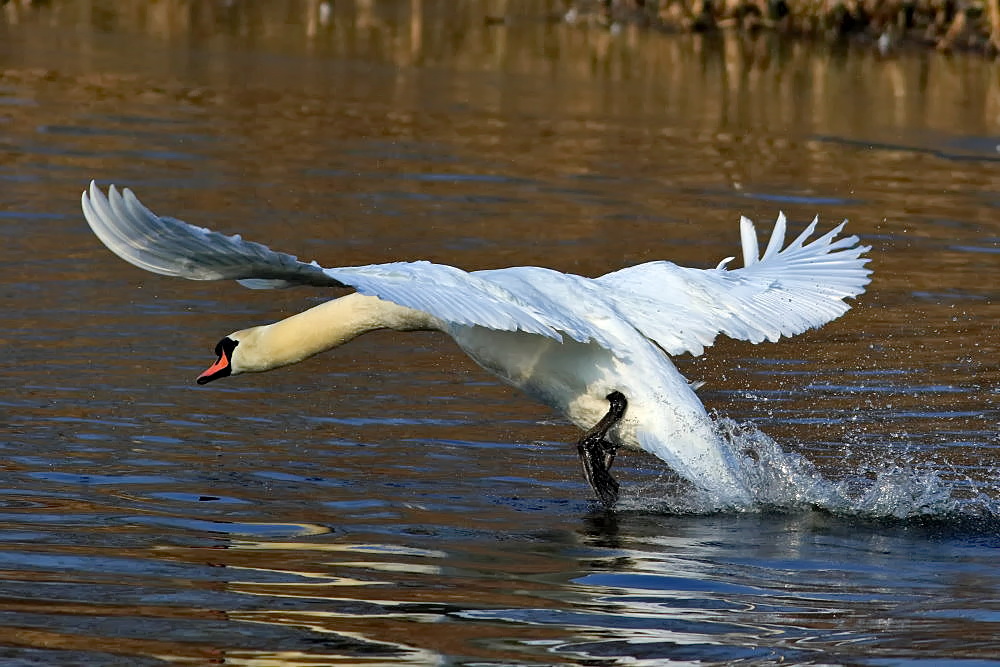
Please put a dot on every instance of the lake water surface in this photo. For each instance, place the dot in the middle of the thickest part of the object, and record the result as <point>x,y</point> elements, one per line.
<point>391,503</point>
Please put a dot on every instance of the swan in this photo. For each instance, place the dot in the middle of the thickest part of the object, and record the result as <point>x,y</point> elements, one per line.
<point>594,349</point>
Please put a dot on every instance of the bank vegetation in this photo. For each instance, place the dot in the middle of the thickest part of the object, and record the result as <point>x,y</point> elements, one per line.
<point>886,24</point>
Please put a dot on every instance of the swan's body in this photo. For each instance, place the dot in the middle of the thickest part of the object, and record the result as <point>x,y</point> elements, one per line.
<point>565,340</point>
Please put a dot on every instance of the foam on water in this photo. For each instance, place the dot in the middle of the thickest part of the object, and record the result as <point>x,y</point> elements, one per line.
<point>787,481</point>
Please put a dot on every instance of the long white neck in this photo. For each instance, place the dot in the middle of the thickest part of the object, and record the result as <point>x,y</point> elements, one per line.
<point>321,328</point>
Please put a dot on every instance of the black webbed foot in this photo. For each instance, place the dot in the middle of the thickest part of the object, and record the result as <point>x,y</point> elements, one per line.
<point>597,453</point>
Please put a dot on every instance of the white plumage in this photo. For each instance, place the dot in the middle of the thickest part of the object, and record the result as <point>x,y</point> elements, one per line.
<point>564,339</point>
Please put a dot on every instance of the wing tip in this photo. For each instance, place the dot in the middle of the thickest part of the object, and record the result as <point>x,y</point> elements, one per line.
<point>748,239</point>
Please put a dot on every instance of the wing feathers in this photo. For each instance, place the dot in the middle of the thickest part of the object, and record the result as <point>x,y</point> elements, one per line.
<point>172,247</point>
<point>748,237</point>
<point>782,293</point>
<point>450,294</point>
<point>777,238</point>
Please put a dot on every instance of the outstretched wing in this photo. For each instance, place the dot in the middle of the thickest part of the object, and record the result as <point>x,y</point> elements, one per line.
<point>173,247</point>
<point>782,293</point>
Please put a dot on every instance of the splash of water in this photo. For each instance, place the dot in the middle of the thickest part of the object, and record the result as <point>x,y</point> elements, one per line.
<point>786,481</point>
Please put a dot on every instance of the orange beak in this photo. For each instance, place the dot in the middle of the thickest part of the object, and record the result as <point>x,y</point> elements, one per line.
<point>219,369</point>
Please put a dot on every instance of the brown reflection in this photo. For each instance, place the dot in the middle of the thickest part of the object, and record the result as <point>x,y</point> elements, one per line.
<point>380,594</point>
<point>758,102</point>
<point>768,79</point>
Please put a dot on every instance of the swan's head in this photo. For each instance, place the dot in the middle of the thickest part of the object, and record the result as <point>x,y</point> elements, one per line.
<point>226,364</point>
<point>259,349</point>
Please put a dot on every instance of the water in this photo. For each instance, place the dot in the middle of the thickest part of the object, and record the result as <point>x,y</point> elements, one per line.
<point>388,502</point>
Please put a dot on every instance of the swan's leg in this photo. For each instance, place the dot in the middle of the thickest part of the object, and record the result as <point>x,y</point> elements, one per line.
<point>597,453</point>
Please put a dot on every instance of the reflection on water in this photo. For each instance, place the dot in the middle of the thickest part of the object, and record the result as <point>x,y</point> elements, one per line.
<point>390,503</point>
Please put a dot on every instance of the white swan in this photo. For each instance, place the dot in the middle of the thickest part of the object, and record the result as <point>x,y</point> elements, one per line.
<point>571,342</point>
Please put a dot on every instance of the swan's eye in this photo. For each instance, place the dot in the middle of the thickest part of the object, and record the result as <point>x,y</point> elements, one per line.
<point>226,347</point>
